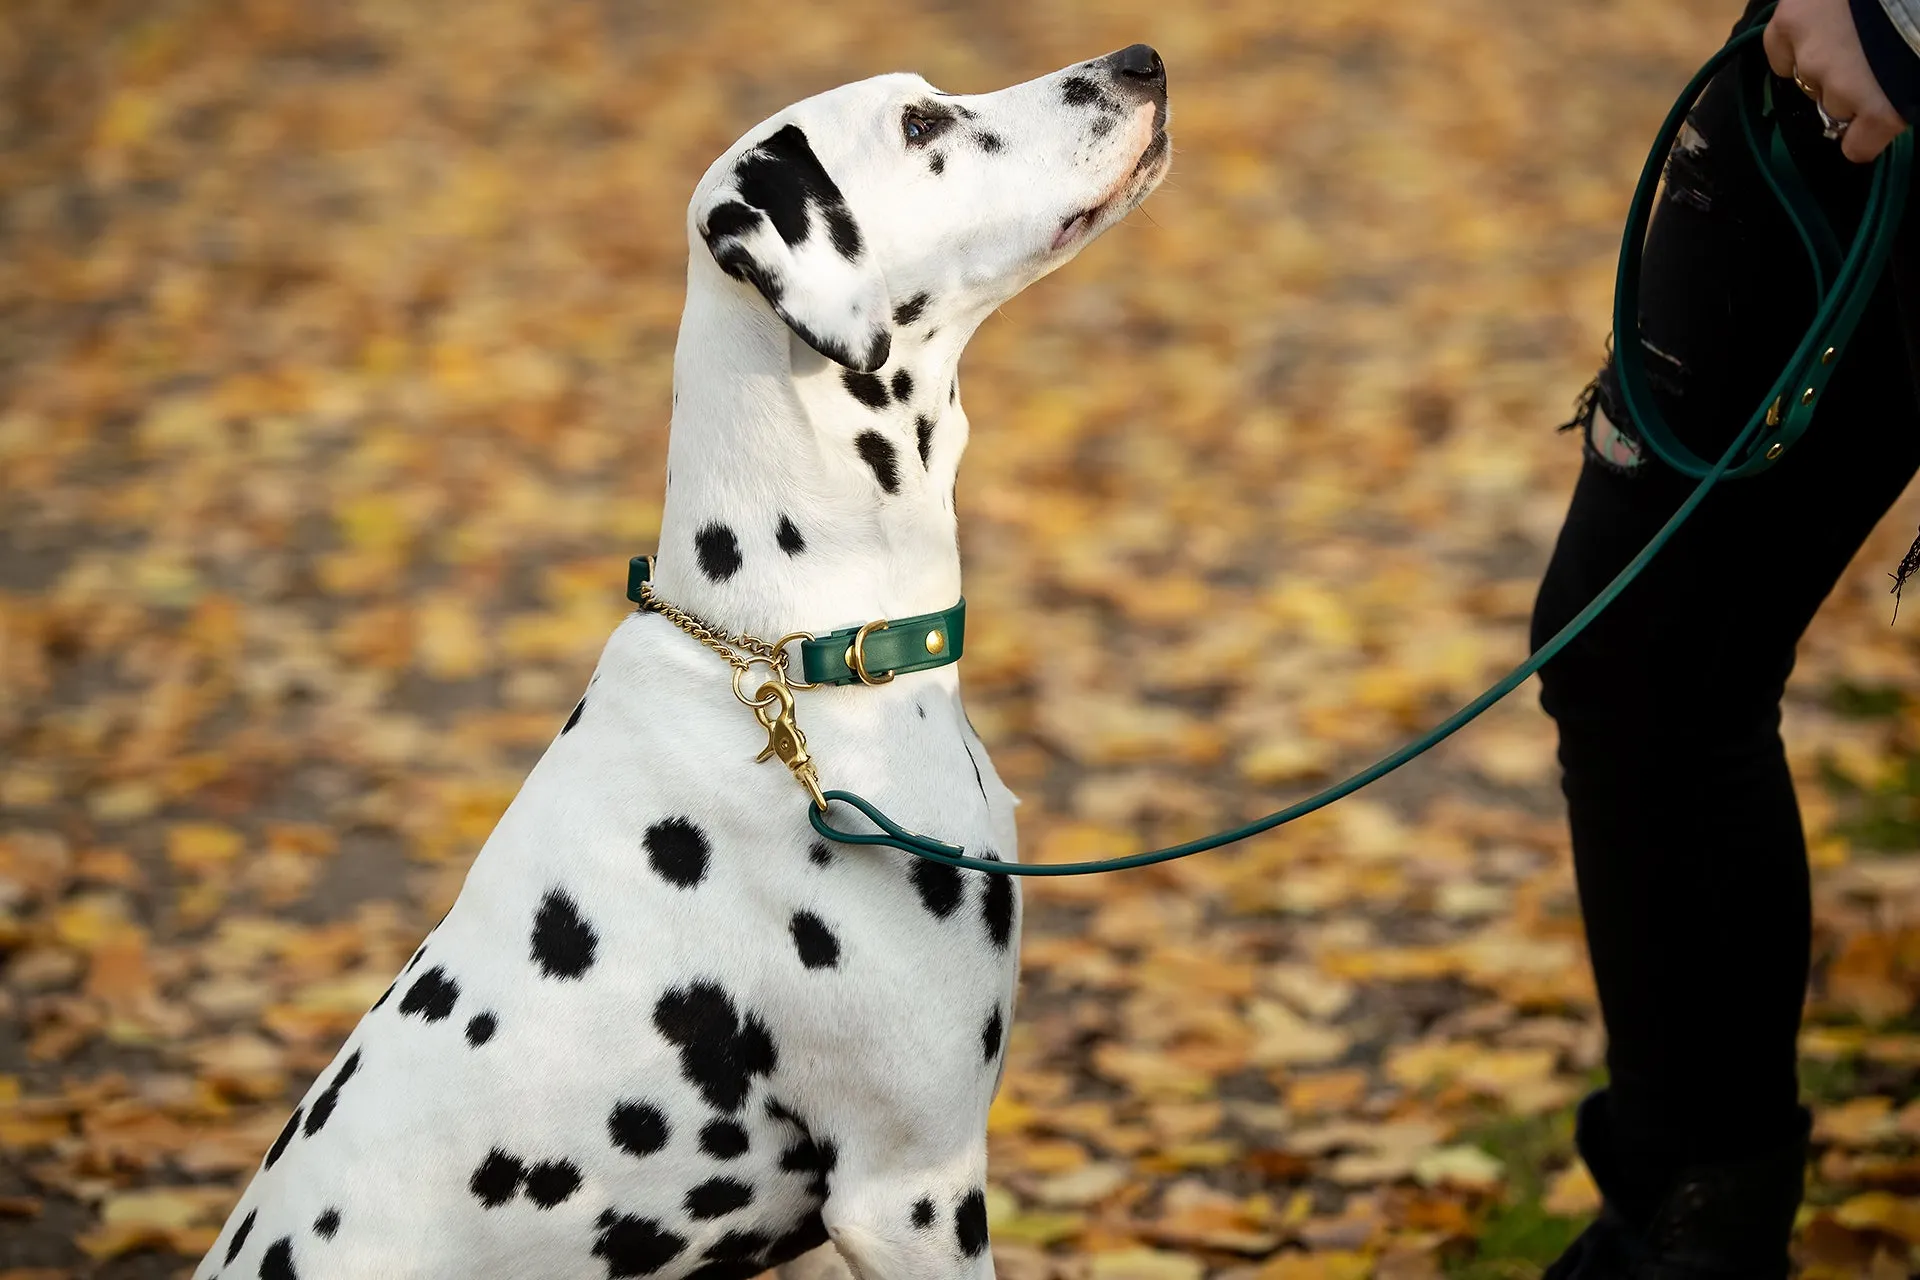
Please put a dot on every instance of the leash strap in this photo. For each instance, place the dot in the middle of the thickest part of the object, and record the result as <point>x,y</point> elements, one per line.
<point>1789,405</point>
<point>1767,434</point>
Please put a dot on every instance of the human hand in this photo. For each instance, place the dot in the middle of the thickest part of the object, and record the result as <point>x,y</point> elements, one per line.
<point>1814,43</point>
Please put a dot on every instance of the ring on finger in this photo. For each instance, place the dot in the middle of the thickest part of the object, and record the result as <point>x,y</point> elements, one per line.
<point>1806,86</point>
<point>1832,127</point>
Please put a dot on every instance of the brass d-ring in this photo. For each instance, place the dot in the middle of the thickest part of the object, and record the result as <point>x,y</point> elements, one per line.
<point>780,647</point>
<point>857,654</point>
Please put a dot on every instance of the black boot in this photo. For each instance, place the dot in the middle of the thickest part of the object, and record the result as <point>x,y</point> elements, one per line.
<point>1729,1221</point>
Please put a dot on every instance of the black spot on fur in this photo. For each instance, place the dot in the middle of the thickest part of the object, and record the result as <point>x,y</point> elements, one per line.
<point>735,1269</point>
<point>723,1140</point>
<point>909,311</point>
<point>734,259</point>
<point>877,452</point>
<point>326,1224</point>
<point>953,392</point>
<point>551,1181</point>
<point>279,1146</point>
<point>996,908</point>
<point>781,177</point>
<point>496,1179</point>
<point>720,1051</point>
<point>923,436</point>
<point>939,886</point>
<point>677,850</point>
<point>330,1096</point>
<point>737,1246</point>
<point>819,855</point>
<point>574,719</point>
<point>634,1246</point>
<point>970,1223</point>
<point>902,385</point>
<point>1078,91</point>
<point>989,142</point>
<point>480,1028</point>
<point>638,1128</point>
<point>938,163</point>
<point>239,1240</point>
<point>788,536</point>
<point>1103,125</point>
<point>730,218</point>
<point>920,711</point>
<point>865,387</point>
<point>734,1256</point>
<point>383,996</point>
<point>816,1156</point>
<point>818,948</point>
<point>990,1035</point>
<point>719,552</point>
<point>277,1262</point>
<point>923,1213</point>
<point>432,995</point>
<point>717,1197</point>
<point>418,952</point>
<point>845,232</point>
<point>809,1233</point>
<point>563,943</point>
<point>778,1110</point>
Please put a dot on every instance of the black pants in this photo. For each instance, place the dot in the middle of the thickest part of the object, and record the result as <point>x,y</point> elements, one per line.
<point>1687,842</point>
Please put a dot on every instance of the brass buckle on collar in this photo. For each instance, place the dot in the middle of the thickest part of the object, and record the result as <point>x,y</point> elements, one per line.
<point>856,656</point>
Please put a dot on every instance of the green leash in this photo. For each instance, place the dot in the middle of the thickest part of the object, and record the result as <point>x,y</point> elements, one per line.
<point>1780,421</point>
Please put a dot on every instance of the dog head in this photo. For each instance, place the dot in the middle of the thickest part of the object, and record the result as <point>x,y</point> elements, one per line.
<point>889,197</point>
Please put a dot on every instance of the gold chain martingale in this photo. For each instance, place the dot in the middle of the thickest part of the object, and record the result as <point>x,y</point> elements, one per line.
<point>772,702</point>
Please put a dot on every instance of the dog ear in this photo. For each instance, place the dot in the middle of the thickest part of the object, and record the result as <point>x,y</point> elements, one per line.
<point>780,224</point>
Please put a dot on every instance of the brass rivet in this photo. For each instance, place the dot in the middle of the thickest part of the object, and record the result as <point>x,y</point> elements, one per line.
<point>1776,451</point>
<point>1826,357</point>
<point>1806,397</point>
<point>935,642</point>
<point>1773,413</point>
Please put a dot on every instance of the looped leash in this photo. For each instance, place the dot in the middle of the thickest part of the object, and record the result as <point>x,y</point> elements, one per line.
<point>1789,406</point>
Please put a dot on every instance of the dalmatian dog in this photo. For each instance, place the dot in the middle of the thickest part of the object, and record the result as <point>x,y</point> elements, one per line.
<point>664,1030</point>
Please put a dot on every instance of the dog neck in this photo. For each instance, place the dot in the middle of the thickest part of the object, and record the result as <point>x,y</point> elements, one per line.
<point>802,496</point>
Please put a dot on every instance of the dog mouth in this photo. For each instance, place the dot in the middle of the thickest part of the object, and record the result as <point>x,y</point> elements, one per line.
<point>1124,196</point>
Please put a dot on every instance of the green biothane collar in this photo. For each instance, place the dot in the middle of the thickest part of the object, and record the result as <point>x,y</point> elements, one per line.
<point>870,654</point>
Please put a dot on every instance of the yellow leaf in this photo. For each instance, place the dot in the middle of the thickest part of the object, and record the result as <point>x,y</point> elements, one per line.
<point>1462,1166</point>
<point>1145,1264</point>
<point>1340,1265</point>
<point>1572,1193</point>
<point>1881,1211</point>
<point>201,847</point>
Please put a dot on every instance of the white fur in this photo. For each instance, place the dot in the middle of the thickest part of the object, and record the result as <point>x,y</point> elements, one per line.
<point>883,1055</point>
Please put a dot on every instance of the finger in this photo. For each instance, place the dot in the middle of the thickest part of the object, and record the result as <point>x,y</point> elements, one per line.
<point>1779,45</point>
<point>1869,135</point>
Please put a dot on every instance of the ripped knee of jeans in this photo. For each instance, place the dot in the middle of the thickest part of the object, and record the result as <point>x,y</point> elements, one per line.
<point>1596,414</point>
<point>1600,415</point>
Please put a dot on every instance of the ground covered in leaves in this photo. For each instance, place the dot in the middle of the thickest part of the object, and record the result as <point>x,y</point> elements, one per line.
<point>334,366</point>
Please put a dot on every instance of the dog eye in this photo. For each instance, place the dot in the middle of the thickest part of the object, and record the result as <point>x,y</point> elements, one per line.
<point>918,127</point>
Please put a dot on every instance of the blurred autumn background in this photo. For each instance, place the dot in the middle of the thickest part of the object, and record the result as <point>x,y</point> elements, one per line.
<point>335,348</point>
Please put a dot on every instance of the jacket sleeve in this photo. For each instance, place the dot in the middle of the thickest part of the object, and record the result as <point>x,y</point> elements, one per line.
<point>1890,34</point>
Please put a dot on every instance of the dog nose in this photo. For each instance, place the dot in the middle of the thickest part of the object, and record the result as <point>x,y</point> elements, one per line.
<point>1140,65</point>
